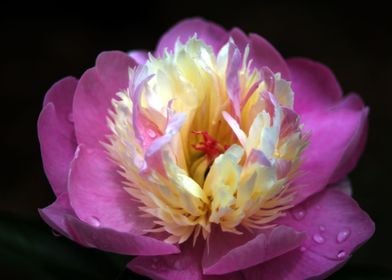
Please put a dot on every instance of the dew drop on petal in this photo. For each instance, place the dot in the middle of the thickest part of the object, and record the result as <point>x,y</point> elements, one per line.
<point>302,249</point>
<point>94,221</point>
<point>151,133</point>
<point>319,239</point>
<point>341,254</point>
<point>177,265</point>
<point>140,163</point>
<point>343,235</point>
<point>322,228</point>
<point>298,214</point>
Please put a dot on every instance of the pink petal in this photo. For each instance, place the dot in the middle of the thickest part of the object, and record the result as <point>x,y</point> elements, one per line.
<point>110,240</point>
<point>314,85</point>
<point>153,154</point>
<point>235,127</point>
<point>185,265</point>
<point>54,214</point>
<point>211,33</point>
<point>335,227</point>
<point>61,94</point>
<point>61,218</point>
<point>140,57</point>
<point>234,65</point>
<point>97,194</point>
<point>358,141</point>
<point>56,133</point>
<point>262,53</point>
<point>96,89</point>
<point>230,252</point>
<point>332,133</point>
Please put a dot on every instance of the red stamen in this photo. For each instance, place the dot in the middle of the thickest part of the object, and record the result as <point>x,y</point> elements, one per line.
<point>209,145</point>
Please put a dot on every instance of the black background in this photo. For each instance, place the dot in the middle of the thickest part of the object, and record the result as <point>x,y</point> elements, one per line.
<point>41,44</point>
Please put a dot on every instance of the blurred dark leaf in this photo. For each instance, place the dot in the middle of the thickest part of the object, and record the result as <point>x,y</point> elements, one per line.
<point>30,250</point>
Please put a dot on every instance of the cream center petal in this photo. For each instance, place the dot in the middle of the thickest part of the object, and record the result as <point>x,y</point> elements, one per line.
<point>204,139</point>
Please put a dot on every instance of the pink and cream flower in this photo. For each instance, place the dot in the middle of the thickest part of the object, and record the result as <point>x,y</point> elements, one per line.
<point>211,157</point>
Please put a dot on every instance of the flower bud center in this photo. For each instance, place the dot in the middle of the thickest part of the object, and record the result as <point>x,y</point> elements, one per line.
<point>209,146</point>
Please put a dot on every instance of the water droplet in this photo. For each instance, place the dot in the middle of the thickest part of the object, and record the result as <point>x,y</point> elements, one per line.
<point>140,163</point>
<point>94,221</point>
<point>322,228</point>
<point>55,233</point>
<point>341,254</point>
<point>71,118</point>
<point>177,265</point>
<point>298,214</point>
<point>151,133</point>
<point>343,235</point>
<point>302,249</point>
<point>318,238</point>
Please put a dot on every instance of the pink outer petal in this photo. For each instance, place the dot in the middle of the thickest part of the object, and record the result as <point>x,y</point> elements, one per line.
<point>230,252</point>
<point>139,56</point>
<point>358,141</point>
<point>314,85</point>
<point>211,33</point>
<point>332,134</point>
<point>54,214</point>
<point>335,227</point>
<point>94,93</point>
<point>262,53</point>
<point>61,218</point>
<point>56,133</point>
<point>117,242</point>
<point>186,265</point>
<point>98,196</point>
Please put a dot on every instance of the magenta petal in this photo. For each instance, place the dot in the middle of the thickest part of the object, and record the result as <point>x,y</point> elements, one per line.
<point>230,252</point>
<point>98,196</point>
<point>358,141</point>
<point>264,54</point>
<point>117,242</point>
<point>112,68</point>
<point>332,132</point>
<point>335,227</point>
<point>140,57</point>
<point>56,133</point>
<point>261,52</point>
<point>54,214</point>
<point>94,93</point>
<point>314,84</point>
<point>211,33</point>
<point>61,95</point>
<point>185,265</point>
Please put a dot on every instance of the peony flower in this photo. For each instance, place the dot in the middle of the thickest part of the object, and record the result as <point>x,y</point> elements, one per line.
<point>210,158</point>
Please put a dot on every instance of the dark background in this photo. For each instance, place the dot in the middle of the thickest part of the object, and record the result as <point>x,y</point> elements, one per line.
<point>41,44</point>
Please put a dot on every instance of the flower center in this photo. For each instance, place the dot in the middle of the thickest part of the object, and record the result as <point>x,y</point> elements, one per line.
<point>203,138</point>
<point>209,146</point>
